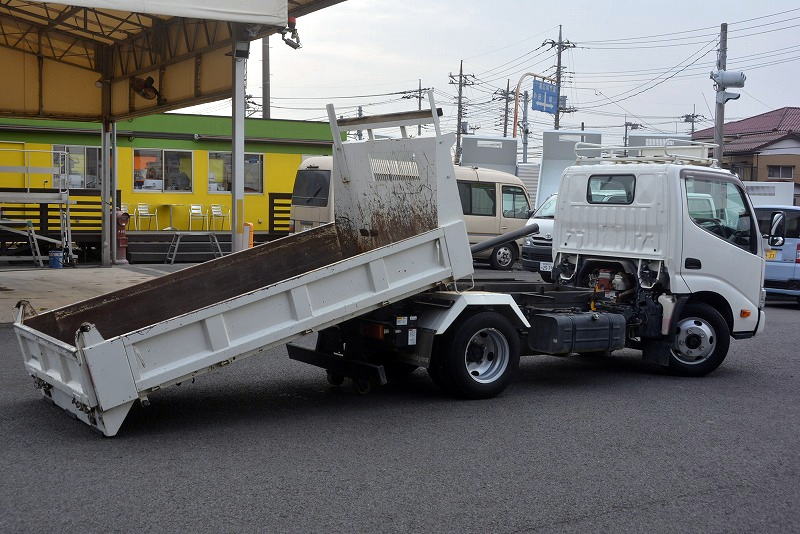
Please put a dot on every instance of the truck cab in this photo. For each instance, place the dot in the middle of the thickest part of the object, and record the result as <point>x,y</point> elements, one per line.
<point>673,246</point>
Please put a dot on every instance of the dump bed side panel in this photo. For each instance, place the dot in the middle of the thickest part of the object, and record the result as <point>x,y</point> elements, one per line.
<point>184,346</point>
<point>156,300</point>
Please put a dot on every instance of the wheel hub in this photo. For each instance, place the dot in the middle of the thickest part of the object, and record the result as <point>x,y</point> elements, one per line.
<point>487,355</point>
<point>504,256</point>
<point>695,341</point>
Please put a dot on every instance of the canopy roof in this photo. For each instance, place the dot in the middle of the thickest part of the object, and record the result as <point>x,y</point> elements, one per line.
<point>91,60</point>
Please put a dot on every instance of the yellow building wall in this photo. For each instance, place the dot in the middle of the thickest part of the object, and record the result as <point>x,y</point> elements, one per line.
<point>278,177</point>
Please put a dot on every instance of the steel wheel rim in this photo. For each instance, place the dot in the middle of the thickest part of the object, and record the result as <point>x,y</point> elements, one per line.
<point>504,256</point>
<point>486,355</point>
<point>695,342</point>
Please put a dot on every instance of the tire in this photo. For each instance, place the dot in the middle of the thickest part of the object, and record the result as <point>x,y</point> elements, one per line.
<point>478,358</point>
<point>546,277</point>
<point>503,257</point>
<point>701,342</point>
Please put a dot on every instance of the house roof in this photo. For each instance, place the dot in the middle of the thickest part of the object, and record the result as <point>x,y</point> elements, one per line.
<point>753,133</point>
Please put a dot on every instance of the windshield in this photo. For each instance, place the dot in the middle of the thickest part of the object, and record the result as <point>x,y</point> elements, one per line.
<point>311,188</point>
<point>547,210</point>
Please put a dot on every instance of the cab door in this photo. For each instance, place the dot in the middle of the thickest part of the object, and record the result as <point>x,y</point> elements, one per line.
<point>515,208</point>
<point>721,243</point>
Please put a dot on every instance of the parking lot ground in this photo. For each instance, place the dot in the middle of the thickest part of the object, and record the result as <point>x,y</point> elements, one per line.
<point>576,444</point>
<point>48,289</point>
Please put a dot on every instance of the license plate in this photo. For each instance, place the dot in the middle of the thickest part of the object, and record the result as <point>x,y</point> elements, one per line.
<point>772,254</point>
<point>545,266</point>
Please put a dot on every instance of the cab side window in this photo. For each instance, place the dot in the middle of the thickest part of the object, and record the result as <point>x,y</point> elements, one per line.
<point>477,198</point>
<point>719,207</point>
<point>515,202</point>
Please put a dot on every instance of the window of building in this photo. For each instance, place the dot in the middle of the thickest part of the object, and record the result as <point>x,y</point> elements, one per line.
<point>515,202</point>
<point>79,165</point>
<point>719,207</point>
<point>780,171</point>
<point>162,170</point>
<point>611,189</point>
<point>477,198</point>
<point>220,172</point>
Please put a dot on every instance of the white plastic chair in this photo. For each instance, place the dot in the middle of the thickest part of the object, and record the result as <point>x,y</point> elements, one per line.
<point>218,212</point>
<point>196,212</point>
<point>143,212</point>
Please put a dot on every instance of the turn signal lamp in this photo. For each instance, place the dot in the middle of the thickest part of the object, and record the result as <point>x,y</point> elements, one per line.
<point>744,314</point>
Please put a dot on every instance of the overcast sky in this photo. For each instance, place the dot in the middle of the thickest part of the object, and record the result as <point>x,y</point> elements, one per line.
<point>655,72</point>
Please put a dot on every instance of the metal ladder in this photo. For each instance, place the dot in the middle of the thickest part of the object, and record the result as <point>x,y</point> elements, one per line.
<point>34,244</point>
<point>174,245</point>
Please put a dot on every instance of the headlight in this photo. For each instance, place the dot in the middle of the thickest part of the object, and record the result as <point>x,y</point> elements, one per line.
<point>762,301</point>
<point>528,242</point>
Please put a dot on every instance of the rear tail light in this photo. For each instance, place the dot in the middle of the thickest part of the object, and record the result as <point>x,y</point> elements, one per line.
<point>797,254</point>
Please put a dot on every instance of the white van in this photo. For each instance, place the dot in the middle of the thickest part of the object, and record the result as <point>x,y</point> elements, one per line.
<point>479,189</point>
<point>312,202</point>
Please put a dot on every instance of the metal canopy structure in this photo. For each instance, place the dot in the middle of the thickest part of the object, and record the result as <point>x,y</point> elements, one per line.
<point>108,60</point>
<point>59,59</point>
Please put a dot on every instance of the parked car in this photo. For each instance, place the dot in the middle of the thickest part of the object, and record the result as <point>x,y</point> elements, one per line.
<point>782,272</point>
<point>479,190</point>
<point>537,250</point>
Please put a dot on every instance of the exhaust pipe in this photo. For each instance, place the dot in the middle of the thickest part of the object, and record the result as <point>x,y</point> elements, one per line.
<point>505,238</point>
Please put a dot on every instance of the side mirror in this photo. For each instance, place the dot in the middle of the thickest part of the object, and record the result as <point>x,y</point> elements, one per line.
<point>777,229</point>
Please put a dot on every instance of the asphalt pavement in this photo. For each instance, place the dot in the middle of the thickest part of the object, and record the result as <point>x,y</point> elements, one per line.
<point>576,444</point>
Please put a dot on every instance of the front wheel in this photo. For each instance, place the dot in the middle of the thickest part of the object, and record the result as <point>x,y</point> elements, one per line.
<point>479,358</point>
<point>701,341</point>
<point>502,258</point>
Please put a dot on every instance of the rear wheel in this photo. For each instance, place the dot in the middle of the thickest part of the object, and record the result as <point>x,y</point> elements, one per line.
<point>478,359</point>
<point>502,258</point>
<point>701,341</point>
<point>546,277</point>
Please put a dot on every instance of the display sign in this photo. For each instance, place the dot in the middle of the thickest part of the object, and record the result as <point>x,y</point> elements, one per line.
<point>544,96</point>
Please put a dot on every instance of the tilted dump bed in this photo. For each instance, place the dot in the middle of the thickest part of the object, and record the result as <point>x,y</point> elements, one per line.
<point>398,231</point>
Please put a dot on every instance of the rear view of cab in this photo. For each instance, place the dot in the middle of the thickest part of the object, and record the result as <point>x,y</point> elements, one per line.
<point>312,204</point>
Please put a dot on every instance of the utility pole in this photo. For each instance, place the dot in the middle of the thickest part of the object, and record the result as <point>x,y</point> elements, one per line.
<point>691,118</point>
<point>265,77</point>
<point>463,79</point>
<point>508,100</point>
<point>719,115</point>
<point>723,80</point>
<point>419,107</point>
<point>632,126</point>
<point>560,46</point>
<point>525,127</point>
<point>360,114</point>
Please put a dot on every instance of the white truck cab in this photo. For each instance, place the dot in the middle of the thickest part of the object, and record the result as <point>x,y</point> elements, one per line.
<point>674,237</point>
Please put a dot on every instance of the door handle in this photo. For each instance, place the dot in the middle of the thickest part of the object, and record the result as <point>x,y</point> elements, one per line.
<point>692,263</point>
<point>504,227</point>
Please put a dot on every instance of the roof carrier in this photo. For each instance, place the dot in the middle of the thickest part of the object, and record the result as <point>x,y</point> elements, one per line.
<point>672,151</point>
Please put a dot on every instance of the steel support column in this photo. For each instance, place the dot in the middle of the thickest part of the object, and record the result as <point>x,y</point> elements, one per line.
<point>237,153</point>
<point>107,222</point>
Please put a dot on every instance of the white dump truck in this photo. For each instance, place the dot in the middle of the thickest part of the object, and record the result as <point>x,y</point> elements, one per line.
<point>387,287</point>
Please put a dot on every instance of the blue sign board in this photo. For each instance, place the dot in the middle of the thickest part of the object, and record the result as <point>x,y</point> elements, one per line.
<point>544,96</point>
